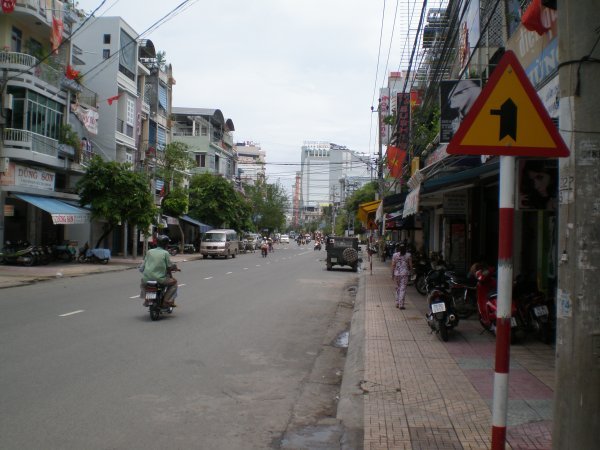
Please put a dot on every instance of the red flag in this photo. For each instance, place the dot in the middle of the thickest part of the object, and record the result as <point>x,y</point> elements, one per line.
<point>8,6</point>
<point>110,100</point>
<point>532,18</point>
<point>395,161</point>
<point>57,32</point>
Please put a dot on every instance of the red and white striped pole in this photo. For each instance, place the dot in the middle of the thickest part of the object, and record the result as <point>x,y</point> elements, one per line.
<point>504,301</point>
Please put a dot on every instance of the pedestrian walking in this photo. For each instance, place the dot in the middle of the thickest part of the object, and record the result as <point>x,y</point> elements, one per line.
<point>401,270</point>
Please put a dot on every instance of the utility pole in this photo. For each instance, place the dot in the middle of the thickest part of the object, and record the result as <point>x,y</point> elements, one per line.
<point>577,392</point>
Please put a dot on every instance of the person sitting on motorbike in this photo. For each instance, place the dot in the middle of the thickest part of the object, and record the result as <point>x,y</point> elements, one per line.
<point>157,266</point>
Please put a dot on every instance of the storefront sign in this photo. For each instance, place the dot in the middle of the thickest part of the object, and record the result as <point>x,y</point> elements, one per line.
<point>9,210</point>
<point>34,178</point>
<point>438,154</point>
<point>455,203</point>
<point>70,219</point>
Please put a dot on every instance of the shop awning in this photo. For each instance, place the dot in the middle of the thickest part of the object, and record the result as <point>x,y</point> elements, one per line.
<point>203,227</point>
<point>458,178</point>
<point>62,213</point>
<point>411,205</point>
<point>366,209</point>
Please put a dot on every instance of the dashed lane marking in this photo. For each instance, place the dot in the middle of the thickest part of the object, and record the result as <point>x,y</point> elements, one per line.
<point>208,278</point>
<point>71,313</point>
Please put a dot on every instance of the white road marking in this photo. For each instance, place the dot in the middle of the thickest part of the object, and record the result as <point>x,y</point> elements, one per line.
<point>258,265</point>
<point>182,284</point>
<point>208,278</point>
<point>245,268</point>
<point>135,296</point>
<point>228,273</point>
<point>71,313</point>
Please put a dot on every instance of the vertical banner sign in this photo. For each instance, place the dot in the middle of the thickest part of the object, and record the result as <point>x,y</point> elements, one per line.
<point>384,111</point>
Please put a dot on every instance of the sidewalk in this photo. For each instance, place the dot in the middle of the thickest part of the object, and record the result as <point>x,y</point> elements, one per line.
<point>11,276</point>
<point>422,393</point>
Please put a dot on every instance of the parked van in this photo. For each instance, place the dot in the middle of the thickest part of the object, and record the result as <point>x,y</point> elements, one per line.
<point>220,243</point>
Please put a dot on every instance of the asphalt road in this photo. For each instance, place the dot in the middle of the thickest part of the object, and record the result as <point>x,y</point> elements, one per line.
<point>83,367</point>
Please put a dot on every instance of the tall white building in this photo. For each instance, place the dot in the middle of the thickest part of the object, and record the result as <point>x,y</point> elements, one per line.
<point>329,173</point>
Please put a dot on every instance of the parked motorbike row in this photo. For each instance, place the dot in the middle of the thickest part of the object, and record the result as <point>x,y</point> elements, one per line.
<point>26,254</point>
<point>451,297</point>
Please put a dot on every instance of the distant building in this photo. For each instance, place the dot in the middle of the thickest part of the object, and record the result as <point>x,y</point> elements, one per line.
<point>251,162</point>
<point>210,138</point>
<point>328,172</point>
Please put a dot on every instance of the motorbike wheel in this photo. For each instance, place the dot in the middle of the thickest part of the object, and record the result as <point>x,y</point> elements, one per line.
<point>173,251</point>
<point>104,261</point>
<point>28,261</point>
<point>82,259</point>
<point>154,314</point>
<point>421,285</point>
<point>444,334</point>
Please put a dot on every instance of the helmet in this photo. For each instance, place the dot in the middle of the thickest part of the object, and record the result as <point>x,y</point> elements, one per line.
<point>163,240</point>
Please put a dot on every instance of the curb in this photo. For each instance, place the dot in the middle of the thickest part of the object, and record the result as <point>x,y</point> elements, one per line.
<point>351,405</point>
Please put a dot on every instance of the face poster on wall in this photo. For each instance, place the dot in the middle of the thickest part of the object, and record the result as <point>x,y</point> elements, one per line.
<point>538,184</point>
<point>456,99</point>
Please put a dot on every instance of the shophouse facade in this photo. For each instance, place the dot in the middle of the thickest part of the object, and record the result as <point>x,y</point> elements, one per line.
<point>453,198</point>
<point>39,163</point>
<point>210,139</point>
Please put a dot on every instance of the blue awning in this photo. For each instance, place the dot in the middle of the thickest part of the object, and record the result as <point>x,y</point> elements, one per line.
<point>62,213</point>
<point>203,227</point>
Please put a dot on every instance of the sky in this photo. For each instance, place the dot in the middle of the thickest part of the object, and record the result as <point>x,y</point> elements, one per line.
<point>284,71</point>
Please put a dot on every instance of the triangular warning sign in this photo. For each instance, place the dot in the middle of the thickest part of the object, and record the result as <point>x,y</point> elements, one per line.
<point>508,118</point>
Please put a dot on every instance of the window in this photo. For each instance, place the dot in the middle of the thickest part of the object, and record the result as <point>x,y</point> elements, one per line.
<point>201,160</point>
<point>130,111</point>
<point>106,53</point>
<point>127,56</point>
<point>162,97</point>
<point>44,116</point>
<point>106,39</point>
<point>16,40</point>
<point>204,130</point>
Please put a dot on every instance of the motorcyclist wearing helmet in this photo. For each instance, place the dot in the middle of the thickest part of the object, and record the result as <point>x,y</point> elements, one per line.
<point>157,265</point>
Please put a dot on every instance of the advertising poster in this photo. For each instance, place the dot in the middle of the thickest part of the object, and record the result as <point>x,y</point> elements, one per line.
<point>456,99</point>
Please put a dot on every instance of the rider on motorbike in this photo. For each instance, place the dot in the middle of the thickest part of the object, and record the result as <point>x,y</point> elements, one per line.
<point>157,266</point>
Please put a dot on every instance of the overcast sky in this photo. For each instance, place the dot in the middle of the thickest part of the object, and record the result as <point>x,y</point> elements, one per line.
<point>284,71</point>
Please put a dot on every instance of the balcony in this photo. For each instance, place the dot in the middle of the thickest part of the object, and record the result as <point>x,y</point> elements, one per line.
<point>27,69</point>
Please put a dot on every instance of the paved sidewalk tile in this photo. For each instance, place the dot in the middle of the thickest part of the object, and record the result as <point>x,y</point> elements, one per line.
<point>422,393</point>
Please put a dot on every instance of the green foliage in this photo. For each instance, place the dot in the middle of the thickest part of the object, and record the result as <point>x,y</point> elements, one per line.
<point>365,194</point>
<point>116,194</point>
<point>176,202</point>
<point>69,136</point>
<point>214,201</point>
<point>426,126</point>
<point>268,205</point>
<point>173,162</point>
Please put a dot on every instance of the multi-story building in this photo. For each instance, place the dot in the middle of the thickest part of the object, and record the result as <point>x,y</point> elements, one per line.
<point>251,162</point>
<point>209,137</point>
<point>328,172</point>
<point>40,154</point>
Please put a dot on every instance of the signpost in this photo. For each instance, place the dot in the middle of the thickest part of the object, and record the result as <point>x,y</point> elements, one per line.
<point>508,119</point>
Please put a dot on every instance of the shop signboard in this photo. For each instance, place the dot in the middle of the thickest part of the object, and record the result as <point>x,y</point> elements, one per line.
<point>34,178</point>
<point>455,203</point>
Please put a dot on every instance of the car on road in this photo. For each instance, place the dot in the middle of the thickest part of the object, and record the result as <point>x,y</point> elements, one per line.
<point>284,239</point>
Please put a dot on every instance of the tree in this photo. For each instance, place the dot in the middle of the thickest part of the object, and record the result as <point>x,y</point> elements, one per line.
<point>269,203</point>
<point>117,195</point>
<point>213,200</point>
<point>365,194</point>
<point>172,164</point>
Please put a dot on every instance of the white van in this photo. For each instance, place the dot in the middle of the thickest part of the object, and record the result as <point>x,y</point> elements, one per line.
<point>219,243</point>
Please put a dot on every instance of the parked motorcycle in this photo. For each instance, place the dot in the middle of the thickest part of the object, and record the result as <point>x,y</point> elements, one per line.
<point>154,294</point>
<point>441,317</point>
<point>20,253</point>
<point>93,255</point>
<point>487,298</point>
<point>464,294</point>
<point>65,252</point>
<point>533,309</point>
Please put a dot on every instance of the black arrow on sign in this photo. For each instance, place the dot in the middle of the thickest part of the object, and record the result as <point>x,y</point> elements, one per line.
<point>508,119</point>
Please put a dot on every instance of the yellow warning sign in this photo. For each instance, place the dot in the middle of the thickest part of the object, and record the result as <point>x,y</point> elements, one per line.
<point>508,118</point>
